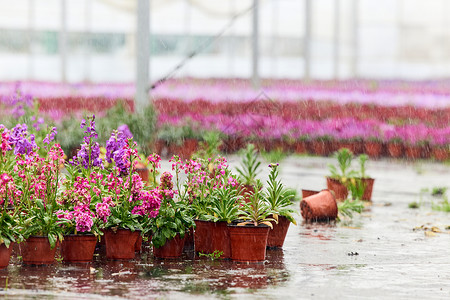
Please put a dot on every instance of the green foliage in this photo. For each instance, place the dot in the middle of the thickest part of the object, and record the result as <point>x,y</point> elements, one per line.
<point>141,124</point>
<point>209,147</point>
<point>42,220</point>
<point>363,158</point>
<point>343,171</point>
<point>414,205</point>
<point>348,207</point>
<point>256,211</point>
<point>357,187</point>
<point>444,205</point>
<point>277,197</point>
<point>213,256</point>
<point>8,226</point>
<point>276,155</point>
<point>249,167</point>
<point>438,191</point>
<point>173,218</point>
<point>224,205</point>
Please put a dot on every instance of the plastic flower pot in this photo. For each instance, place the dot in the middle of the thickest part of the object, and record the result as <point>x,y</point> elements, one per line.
<point>368,187</point>
<point>319,207</point>
<point>5,254</point>
<point>138,245</point>
<point>78,248</point>
<point>413,151</point>
<point>142,170</point>
<point>173,248</point>
<point>320,147</point>
<point>248,243</point>
<point>202,236</point>
<point>36,251</point>
<point>120,244</point>
<point>440,153</point>
<point>189,242</point>
<point>395,150</point>
<point>307,193</point>
<point>301,147</point>
<point>277,234</point>
<point>220,239</point>
<point>338,188</point>
<point>355,147</point>
<point>373,148</point>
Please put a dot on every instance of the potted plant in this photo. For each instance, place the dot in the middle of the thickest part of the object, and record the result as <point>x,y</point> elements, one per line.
<point>364,180</point>
<point>249,237</point>
<point>248,170</point>
<point>224,208</point>
<point>278,200</point>
<point>171,224</point>
<point>338,180</point>
<point>38,181</point>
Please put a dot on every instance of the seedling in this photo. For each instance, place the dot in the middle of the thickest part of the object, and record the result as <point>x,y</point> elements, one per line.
<point>213,256</point>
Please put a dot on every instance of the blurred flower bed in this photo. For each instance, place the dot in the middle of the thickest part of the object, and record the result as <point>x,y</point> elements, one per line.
<point>286,114</point>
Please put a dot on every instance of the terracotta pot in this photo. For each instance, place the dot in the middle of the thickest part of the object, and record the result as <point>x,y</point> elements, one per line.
<point>36,251</point>
<point>395,150</point>
<point>120,244</point>
<point>414,152</point>
<point>142,170</point>
<point>301,147</point>
<point>373,149</point>
<point>322,148</point>
<point>138,244</point>
<point>319,207</point>
<point>307,193</point>
<point>173,248</point>
<point>356,147</point>
<point>5,254</point>
<point>188,148</point>
<point>232,144</point>
<point>248,243</point>
<point>202,236</point>
<point>189,245</point>
<point>440,153</point>
<point>78,248</point>
<point>339,189</point>
<point>277,234</point>
<point>220,239</point>
<point>368,184</point>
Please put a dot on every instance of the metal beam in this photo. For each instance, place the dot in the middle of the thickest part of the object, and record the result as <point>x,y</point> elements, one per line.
<point>255,46</point>
<point>307,40</point>
<point>142,55</point>
<point>336,53</point>
<point>355,25</point>
<point>63,41</point>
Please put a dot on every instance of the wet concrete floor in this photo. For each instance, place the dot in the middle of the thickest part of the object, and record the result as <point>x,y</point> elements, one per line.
<point>390,251</point>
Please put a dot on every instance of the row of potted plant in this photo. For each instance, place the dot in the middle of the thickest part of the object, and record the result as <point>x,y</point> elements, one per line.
<point>99,194</point>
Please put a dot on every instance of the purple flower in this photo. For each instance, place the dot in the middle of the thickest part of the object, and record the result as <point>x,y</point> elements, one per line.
<point>89,154</point>
<point>19,140</point>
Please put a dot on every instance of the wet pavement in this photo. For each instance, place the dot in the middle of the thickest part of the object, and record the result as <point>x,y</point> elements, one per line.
<point>388,252</point>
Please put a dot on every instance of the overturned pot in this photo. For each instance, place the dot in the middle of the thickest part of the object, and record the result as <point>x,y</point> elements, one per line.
<point>319,207</point>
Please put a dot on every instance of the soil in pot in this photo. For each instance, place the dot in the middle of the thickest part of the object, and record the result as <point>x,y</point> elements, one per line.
<point>338,188</point>
<point>78,248</point>
<point>277,234</point>
<point>121,243</point>
<point>319,207</point>
<point>248,243</point>
<point>173,248</point>
<point>36,251</point>
<point>5,254</point>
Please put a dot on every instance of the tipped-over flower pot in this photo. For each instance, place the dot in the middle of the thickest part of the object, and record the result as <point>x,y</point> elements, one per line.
<point>319,207</point>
